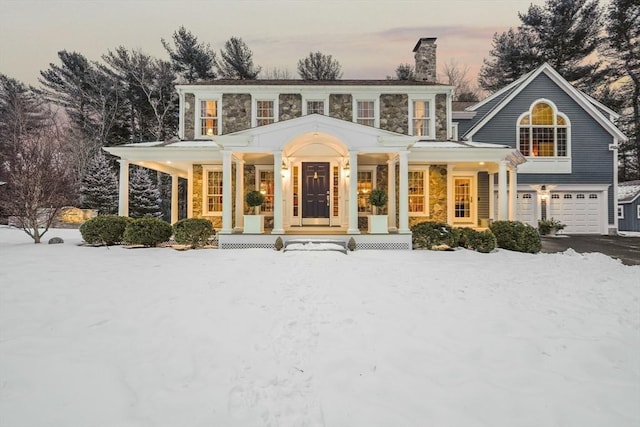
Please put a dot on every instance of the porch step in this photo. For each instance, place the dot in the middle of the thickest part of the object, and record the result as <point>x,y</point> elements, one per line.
<point>315,245</point>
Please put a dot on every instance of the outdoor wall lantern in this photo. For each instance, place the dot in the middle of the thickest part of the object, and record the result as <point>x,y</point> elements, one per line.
<point>346,169</point>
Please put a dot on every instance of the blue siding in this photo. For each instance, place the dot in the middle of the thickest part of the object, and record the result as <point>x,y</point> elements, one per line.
<point>630,222</point>
<point>592,162</point>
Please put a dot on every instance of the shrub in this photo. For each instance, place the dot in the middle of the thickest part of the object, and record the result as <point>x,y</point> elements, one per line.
<point>106,229</point>
<point>429,234</point>
<point>480,241</point>
<point>351,244</point>
<point>147,231</point>
<point>193,231</point>
<point>516,236</point>
<point>279,243</point>
<point>55,240</point>
<point>550,226</point>
<point>378,198</point>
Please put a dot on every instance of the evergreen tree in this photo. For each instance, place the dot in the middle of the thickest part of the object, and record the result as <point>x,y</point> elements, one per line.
<point>237,61</point>
<point>404,72</point>
<point>318,66</point>
<point>622,49</point>
<point>144,196</point>
<point>564,33</point>
<point>99,187</point>
<point>193,61</point>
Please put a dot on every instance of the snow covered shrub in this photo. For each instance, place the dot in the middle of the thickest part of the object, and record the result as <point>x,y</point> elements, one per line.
<point>147,231</point>
<point>351,245</point>
<point>55,240</point>
<point>480,241</point>
<point>193,231</point>
<point>106,229</point>
<point>279,243</point>
<point>516,236</point>
<point>429,235</point>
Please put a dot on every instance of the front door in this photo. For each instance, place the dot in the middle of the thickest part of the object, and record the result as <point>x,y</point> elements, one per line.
<point>463,207</point>
<point>315,193</point>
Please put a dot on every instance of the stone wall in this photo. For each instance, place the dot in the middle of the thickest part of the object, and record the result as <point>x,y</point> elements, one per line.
<point>394,113</point>
<point>290,106</point>
<point>341,106</point>
<point>438,193</point>
<point>189,116</point>
<point>441,117</point>
<point>196,199</point>
<point>236,112</point>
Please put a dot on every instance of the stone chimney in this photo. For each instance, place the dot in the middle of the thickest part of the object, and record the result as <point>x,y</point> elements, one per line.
<point>425,56</point>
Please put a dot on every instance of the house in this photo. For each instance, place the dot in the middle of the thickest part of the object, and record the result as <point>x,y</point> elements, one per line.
<point>629,206</point>
<point>316,149</point>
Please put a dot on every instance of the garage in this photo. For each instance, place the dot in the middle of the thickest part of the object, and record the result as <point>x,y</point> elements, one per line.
<point>581,212</point>
<point>526,208</point>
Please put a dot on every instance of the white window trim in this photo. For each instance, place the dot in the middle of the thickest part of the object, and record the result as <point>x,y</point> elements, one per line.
<point>373,169</point>
<point>205,185</point>
<point>198,110</point>
<point>264,97</point>
<point>260,168</point>
<point>376,108</point>
<point>432,114</point>
<point>425,169</point>
<point>324,98</point>
<point>621,212</point>
<point>638,213</point>
<point>547,164</point>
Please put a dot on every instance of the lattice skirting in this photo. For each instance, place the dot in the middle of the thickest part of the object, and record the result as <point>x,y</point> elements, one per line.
<point>394,242</point>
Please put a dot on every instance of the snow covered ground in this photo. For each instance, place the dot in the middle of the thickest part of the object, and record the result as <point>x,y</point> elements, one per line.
<point>156,337</point>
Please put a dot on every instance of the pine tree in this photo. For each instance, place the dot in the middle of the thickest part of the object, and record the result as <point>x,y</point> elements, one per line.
<point>99,187</point>
<point>403,72</point>
<point>318,66</point>
<point>192,60</point>
<point>564,33</point>
<point>144,196</point>
<point>237,61</point>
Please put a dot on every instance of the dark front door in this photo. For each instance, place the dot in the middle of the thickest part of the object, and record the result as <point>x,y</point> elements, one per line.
<point>315,193</point>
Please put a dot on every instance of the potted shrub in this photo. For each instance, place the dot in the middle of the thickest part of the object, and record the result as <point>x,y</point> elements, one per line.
<point>550,226</point>
<point>253,222</point>
<point>378,224</point>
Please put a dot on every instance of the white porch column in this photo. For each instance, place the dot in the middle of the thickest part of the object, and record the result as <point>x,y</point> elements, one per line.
<point>123,193</point>
<point>226,193</point>
<point>451,201</point>
<point>503,201</point>
<point>403,226</point>
<point>190,191</point>
<point>174,198</point>
<point>513,193</point>
<point>277,193</point>
<point>391,166</point>
<point>492,196</point>
<point>353,193</point>
<point>239,194</point>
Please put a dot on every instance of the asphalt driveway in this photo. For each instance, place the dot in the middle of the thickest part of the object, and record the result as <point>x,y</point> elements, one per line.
<point>626,249</point>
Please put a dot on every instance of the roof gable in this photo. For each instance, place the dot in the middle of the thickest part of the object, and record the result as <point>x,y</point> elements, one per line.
<point>503,97</point>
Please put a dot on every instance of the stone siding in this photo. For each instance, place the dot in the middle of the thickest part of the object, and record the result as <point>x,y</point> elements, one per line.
<point>189,116</point>
<point>394,113</point>
<point>341,106</point>
<point>441,117</point>
<point>438,193</point>
<point>236,112</point>
<point>290,106</point>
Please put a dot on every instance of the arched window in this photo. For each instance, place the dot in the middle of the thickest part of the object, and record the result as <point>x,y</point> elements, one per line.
<point>543,131</point>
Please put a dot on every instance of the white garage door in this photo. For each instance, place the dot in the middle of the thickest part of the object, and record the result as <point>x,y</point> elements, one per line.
<point>525,205</point>
<point>579,211</point>
<point>526,208</point>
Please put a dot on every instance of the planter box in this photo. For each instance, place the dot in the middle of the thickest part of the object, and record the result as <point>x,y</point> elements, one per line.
<point>253,224</point>
<point>378,224</point>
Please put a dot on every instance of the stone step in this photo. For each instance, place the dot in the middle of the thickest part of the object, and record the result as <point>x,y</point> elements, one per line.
<point>315,245</point>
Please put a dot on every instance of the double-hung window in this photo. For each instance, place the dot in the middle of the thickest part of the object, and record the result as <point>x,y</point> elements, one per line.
<point>209,118</point>
<point>315,107</point>
<point>366,178</point>
<point>422,117</point>
<point>212,191</point>
<point>265,182</point>
<point>365,112</point>
<point>265,112</point>
<point>418,191</point>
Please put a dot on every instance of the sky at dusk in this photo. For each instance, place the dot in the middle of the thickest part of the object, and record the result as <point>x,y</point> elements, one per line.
<point>368,37</point>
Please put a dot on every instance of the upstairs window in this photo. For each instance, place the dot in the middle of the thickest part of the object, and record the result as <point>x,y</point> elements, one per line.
<point>365,113</point>
<point>421,118</point>
<point>543,132</point>
<point>209,118</point>
<point>265,113</point>
<point>315,107</point>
